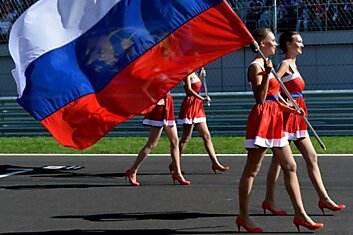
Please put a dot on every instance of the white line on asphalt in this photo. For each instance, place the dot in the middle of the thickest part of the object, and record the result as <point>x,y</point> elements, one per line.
<point>157,155</point>
<point>16,172</point>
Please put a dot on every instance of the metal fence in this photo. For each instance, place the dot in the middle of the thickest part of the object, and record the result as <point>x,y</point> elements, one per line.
<point>298,15</point>
<point>10,10</point>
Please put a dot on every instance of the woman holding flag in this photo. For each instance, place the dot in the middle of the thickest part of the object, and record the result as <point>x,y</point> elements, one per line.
<point>291,43</point>
<point>265,130</point>
<point>192,114</point>
<point>161,117</point>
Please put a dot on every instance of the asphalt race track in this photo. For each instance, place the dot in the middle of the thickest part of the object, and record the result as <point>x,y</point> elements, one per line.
<point>89,195</point>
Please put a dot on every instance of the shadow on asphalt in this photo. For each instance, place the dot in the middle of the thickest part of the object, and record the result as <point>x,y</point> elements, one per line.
<point>172,215</point>
<point>146,231</point>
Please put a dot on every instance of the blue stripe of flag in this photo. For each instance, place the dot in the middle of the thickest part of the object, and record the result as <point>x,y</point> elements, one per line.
<point>87,64</point>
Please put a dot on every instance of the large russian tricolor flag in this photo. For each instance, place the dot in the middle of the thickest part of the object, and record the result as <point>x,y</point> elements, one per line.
<point>84,66</point>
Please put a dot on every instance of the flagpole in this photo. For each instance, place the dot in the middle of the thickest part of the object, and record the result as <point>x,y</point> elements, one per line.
<point>255,48</point>
<point>203,72</point>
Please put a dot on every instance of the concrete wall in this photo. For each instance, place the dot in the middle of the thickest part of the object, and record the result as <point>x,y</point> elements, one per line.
<point>326,64</point>
<point>327,60</point>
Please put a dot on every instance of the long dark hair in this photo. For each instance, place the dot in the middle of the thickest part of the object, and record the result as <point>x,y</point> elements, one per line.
<point>285,37</point>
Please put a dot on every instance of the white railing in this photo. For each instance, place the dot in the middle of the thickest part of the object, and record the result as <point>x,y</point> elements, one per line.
<point>330,113</point>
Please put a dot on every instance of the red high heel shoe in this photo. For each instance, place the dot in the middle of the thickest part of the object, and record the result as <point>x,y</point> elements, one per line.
<point>323,204</point>
<point>176,177</point>
<point>267,206</point>
<point>240,222</point>
<point>219,168</point>
<point>298,221</point>
<point>128,174</point>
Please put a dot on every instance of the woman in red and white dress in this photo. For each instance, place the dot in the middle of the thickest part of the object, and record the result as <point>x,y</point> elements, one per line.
<point>291,43</point>
<point>265,130</point>
<point>192,114</point>
<point>161,117</point>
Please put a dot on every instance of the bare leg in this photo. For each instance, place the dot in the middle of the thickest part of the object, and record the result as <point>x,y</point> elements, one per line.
<point>307,150</point>
<point>186,136</point>
<point>155,133</point>
<point>172,135</point>
<point>252,167</point>
<point>271,180</point>
<point>285,158</point>
<point>206,137</point>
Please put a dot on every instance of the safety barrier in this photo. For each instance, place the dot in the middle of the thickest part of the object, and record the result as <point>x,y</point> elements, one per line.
<point>330,113</point>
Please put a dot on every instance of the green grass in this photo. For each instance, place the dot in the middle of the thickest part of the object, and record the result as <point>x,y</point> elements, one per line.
<point>121,145</point>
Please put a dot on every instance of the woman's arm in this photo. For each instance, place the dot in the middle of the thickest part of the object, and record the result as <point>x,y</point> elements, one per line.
<point>283,69</point>
<point>289,109</point>
<point>188,88</point>
<point>286,105</point>
<point>259,82</point>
